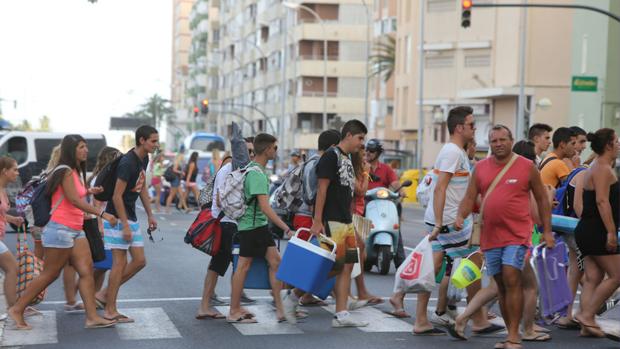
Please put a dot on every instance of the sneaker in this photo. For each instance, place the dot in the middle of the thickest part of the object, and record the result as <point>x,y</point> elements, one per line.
<point>441,320</point>
<point>247,300</point>
<point>289,306</point>
<point>348,321</point>
<point>216,301</point>
<point>607,306</point>
<point>452,313</point>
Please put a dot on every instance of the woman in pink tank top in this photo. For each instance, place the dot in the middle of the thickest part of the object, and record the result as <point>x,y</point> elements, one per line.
<point>8,263</point>
<point>63,238</point>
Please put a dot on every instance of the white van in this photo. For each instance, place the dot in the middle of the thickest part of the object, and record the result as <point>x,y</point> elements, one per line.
<point>32,151</point>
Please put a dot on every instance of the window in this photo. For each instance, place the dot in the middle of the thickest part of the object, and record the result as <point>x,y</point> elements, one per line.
<point>43,148</point>
<point>438,62</point>
<point>408,56</point>
<point>441,5</point>
<point>17,148</point>
<point>477,61</point>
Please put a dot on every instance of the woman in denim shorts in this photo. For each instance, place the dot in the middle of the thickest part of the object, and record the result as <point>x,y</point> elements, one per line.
<point>63,238</point>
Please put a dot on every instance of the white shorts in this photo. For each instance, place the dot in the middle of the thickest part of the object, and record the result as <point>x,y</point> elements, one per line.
<point>3,248</point>
<point>113,236</point>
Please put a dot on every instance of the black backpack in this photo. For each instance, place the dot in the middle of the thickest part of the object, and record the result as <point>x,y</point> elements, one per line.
<point>106,179</point>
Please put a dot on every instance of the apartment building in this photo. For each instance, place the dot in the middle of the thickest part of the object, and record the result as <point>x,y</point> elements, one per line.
<point>181,42</point>
<point>382,90</point>
<point>479,66</point>
<point>596,53</point>
<point>273,63</point>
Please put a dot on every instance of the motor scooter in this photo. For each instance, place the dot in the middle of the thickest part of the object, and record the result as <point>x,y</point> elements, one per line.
<point>382,241</point>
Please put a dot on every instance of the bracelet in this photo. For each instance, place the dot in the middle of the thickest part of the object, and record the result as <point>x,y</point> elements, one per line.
<point>101,214</point>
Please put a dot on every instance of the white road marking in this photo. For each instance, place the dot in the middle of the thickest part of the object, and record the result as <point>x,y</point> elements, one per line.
<point>185,299</point>
<point>43,331</point>
<point>173,224</point>
<point>267,322</point>
<point>151,323</point>
<point>378,321</point>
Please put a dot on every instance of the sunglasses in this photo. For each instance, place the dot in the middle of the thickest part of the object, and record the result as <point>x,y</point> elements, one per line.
<point>150,231</point>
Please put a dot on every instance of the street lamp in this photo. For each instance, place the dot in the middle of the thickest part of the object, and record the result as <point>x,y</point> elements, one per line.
<point>367,87</point>
<point>299,7</point>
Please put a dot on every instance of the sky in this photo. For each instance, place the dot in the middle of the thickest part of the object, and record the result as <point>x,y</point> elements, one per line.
<point>81,63</point>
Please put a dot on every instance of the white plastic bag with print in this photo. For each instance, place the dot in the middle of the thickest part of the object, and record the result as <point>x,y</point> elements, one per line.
<point>417,273</point>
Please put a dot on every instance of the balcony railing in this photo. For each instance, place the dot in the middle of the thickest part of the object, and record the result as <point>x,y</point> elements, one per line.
<point>318,57</point>
<point>318,94</point>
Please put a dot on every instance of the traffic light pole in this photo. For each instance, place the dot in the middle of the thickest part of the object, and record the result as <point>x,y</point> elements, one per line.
<point>580,7</point>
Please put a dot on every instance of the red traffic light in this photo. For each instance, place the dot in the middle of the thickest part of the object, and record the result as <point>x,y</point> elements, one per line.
<point>196,110</point>
<point>466,4</point>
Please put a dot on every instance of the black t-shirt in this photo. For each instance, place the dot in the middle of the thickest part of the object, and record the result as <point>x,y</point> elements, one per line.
<point>337,167</point>
<point>133,171</point>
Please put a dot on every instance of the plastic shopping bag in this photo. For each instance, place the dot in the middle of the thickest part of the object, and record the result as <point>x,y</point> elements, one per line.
<point>417,273</point>
<point>455,295</point>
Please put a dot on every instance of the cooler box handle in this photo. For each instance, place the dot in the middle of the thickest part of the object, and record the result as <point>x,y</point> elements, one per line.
<point>332,242</point>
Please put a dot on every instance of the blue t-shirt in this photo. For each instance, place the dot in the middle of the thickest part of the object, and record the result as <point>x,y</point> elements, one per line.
<point>133,171</point>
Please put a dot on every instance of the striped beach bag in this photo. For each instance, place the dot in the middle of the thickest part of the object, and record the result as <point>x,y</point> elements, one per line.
<point>29,266</point>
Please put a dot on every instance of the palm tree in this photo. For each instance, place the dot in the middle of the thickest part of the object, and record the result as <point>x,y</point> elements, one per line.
<point>384,60</point>
<point>157,109</point>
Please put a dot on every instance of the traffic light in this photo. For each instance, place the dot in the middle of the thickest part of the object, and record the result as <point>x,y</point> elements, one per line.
<point>204,107</point>
<point>466,13</point>
<point>196,110</point>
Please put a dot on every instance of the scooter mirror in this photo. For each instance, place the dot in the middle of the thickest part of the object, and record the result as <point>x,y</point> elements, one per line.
<point>406,183</point>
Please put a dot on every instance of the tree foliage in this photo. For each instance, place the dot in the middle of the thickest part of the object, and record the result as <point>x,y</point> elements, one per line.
<point>383,61</point>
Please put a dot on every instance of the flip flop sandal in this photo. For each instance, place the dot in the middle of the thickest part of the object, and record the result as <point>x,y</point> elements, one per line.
<point>108,325</point>
<point>241,320</point>
<point>613,337</point>
<point>454,333</point>
<point>216,316</point>
<point>398,313</point>
<point>74,308</point>
<point>571,325</point>
<point>313,303</point>
<point>493,328</point>
<point>430,332</point>
<point>514,343</point>
<point>121,319</point>
<point>538,337</point>
<point>375,301</point>
<point>499,345</point>
<point>540,329</point>
<point>31,311</point>
<point>300,315</point>
<point>100,304</point>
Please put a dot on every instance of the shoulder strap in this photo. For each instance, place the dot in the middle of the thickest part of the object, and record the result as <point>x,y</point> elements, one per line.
<point>495,181</point>
<point>548,160</point>
<point>573,173</point>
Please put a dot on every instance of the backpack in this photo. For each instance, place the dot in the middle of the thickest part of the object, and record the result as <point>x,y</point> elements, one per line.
<point>310,181</point>
<point>41,203</point>
<point>106,179</point>
<point>560,195</point>
<point>233,201</point>
<point>29,267</point>
<point>108,176</point>
<point>425,189</point>
<point>24,197</point>
<point>288,196</point>
<point>205,234</point>
<point>169,174</point>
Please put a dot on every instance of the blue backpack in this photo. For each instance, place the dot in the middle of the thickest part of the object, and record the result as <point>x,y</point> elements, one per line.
<point>41,203</point>
<point>563,208</point>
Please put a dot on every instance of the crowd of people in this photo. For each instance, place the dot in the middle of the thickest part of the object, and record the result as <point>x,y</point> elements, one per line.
<point>492,212</point>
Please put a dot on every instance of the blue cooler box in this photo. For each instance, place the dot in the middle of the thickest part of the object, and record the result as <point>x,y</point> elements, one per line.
<point>305,265</point>
<point>258,275</point>
<point>563,224</point>
<point>326,289</point>
<point>105,264</point>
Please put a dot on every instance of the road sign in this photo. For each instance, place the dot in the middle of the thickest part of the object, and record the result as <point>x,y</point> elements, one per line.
<point>584,84</point>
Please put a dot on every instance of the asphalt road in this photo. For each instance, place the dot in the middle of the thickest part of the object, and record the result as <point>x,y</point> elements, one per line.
<point>164,297</point>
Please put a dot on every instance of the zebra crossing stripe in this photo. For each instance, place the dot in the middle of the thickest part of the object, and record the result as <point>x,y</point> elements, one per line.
<point>151,323</point>
<point>43,331</point>
<point>267,322</point>
<point>378,321</point>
